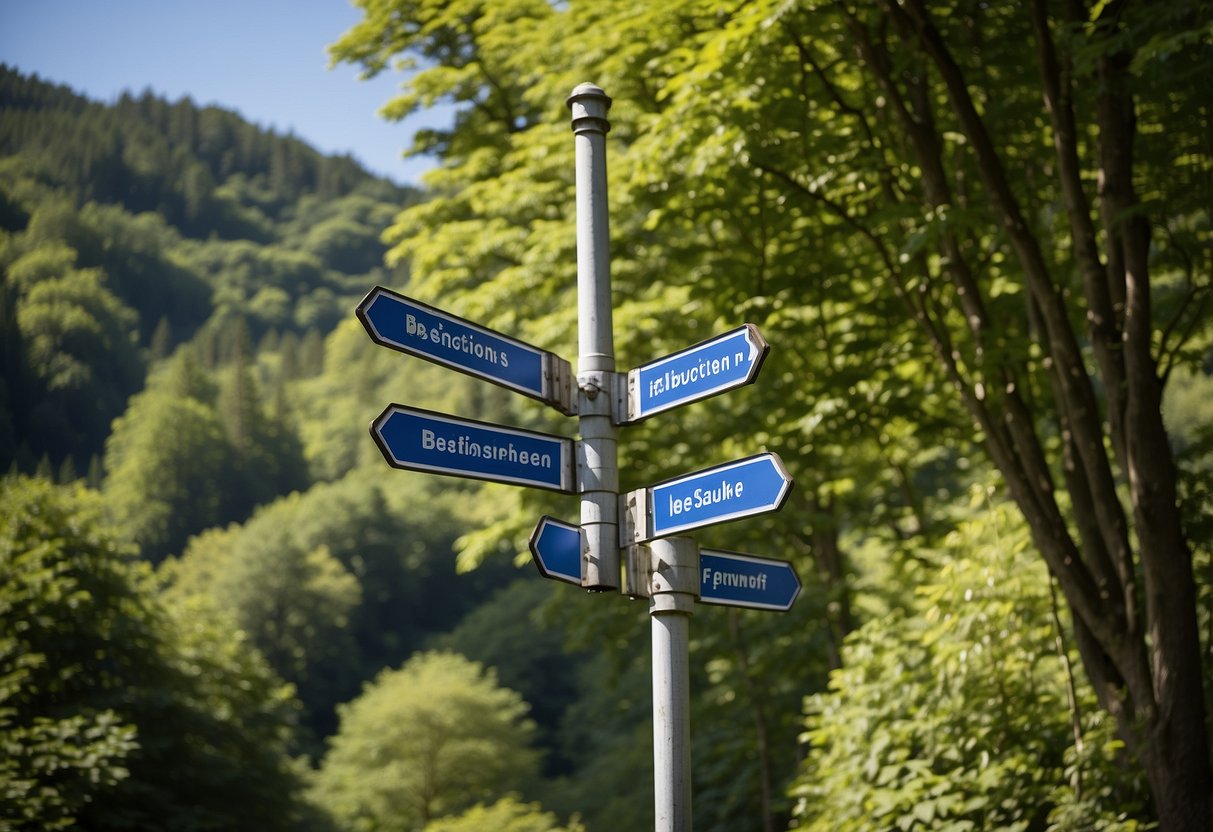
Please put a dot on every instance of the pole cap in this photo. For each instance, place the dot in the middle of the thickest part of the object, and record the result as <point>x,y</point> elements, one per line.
<point>588,105</point>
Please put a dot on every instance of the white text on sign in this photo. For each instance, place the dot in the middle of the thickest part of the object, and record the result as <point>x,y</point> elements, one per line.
<point>672,380</point>
<point>465,343</point>
<point>716,578</point>
<point>464,446</point>
<point>707,497</point>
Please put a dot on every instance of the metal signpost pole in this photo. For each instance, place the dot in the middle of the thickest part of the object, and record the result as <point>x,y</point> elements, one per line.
<point>675,584</point>
<point>597,382</point>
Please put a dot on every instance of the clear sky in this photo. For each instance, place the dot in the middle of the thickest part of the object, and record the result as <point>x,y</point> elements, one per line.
<point>265,59</point>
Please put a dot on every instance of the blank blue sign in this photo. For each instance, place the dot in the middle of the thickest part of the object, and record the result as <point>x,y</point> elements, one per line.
<point>556,548</point>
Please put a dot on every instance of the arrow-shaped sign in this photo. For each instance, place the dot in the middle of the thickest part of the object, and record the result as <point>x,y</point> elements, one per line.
<point>421,440</point>
<point>736,580</point>
<point>419,329</point>
<point>556,547</point>
<point>754,485</point>
<point>714,366</point>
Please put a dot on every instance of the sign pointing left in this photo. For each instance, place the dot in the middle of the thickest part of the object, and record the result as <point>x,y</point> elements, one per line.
<point>421,440</point>
<point>416,328</point>
<point>556,547</point>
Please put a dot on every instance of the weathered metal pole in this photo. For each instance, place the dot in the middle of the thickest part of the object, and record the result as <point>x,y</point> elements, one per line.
<point>597,382</point>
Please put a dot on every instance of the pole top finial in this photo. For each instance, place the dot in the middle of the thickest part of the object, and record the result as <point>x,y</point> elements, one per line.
<point>588,105</point>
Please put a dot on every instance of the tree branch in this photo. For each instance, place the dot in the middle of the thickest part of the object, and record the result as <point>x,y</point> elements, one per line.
<point>1072,387</point>
<point>1103,323</point>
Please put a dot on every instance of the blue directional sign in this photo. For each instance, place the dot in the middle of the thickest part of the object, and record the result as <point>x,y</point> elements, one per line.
<point>754,485</point>
<point>556,548</point>
<point>737,580</point>
<point>421,440</point>
<point>706,369</point>
<point>413,327</point>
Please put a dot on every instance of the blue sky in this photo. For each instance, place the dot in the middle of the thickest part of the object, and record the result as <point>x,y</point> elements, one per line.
<point>265,59</point>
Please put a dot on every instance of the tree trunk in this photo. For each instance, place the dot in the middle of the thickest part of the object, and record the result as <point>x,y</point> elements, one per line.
<point>1140,644</point>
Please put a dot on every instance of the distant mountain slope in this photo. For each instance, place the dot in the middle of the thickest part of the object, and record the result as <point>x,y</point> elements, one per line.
<point>130,228</point>
<point>173,158</point>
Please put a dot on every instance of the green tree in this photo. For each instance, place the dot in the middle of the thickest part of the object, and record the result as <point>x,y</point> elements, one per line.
<point>882,184</point>
<point>508,632</point>
<point>78,341</point>
<point>141,255</point>
<point>344,233</point>
<point>167,460</point>
<point>62,748</point>
<point>336,583</point>
<point>268,458</point>
<point>506,815</point>
<point>161,344</point>
<point>967,711</point>
<point>294,603</point>
<point>189,453</point>
<point>995,263</point>
<point>427,740</point>
<point>606,733</point>
<point>115,712</point>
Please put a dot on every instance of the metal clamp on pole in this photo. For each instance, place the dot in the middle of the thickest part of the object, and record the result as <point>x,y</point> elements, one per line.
<point>597,451</point>
<point>674,587</point>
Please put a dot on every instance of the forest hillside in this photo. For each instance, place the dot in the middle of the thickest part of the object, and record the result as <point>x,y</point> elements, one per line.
<point>977,241</point>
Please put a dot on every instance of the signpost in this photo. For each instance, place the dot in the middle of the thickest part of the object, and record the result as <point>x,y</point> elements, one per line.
<point>736,580</point>
<point>556,548</point>
<point>422,440</point>
<point>707,369</point>
<point>671,571</point>
<point>750,486</point>
<point>416,328</point>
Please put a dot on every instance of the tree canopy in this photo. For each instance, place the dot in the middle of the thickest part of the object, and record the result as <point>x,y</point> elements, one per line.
<point>423,741</point>
<point>931,217</point>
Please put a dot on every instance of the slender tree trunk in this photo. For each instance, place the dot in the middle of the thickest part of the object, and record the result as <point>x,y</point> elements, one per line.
<point>822,543</point>
<point>1139,643</point>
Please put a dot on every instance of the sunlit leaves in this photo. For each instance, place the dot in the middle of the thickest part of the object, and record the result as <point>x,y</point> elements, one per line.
<point>425,740</point>
<point>506,815</point>
<point>166,461</point>
<point>806,168</point>
<point>61,593</point>
<point>953,715</point>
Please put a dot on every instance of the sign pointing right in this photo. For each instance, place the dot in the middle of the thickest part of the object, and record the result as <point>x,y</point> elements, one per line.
<point>754,485</point>
<point>714,366</point>
<point>737,580</point>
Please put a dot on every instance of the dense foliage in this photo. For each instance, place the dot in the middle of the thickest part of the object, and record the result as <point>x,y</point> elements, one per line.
<point>974,254</point>
<point>118,712</point>
<point>129,228</point>
<point>990,378</point>
<point>985,628</point>
<point>428,739</point>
